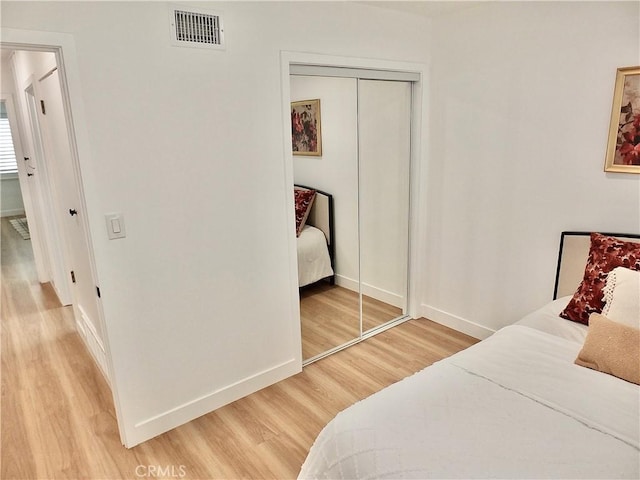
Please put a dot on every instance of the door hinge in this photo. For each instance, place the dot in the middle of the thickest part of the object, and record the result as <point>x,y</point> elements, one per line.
<point>73,276</point>
<point>98,291</point>
<point>44,112</point>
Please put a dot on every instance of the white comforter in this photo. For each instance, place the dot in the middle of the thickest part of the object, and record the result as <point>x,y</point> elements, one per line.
<point>314,262</point>
<point>512,406</point>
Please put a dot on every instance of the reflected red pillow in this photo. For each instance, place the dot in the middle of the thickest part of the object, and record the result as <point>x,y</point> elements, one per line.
<point>605,254</point>
<point>303,199</point>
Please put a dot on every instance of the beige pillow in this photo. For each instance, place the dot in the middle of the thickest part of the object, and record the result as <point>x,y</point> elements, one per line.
<point>621,295</point>
<point>611,347</point>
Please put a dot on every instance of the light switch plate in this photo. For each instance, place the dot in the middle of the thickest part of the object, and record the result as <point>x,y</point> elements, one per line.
<point>115,225</point>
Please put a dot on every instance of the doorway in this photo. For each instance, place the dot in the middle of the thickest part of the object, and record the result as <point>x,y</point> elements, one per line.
<point>53,194</point>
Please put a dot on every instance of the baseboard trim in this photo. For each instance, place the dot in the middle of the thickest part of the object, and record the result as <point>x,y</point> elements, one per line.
<point>158,424</point>
<point>348,283</point>
<point>383,295</point>
<point>95,343</point>
<point>371,291</point>
<point>457,323</point>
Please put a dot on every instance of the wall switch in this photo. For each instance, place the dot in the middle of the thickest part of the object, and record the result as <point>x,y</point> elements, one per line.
<point>115,225</point>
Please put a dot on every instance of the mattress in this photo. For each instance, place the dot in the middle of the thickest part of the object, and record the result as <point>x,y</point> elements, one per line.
<point>546,319</point>
<point>314,262</point>
<point>512,406</point>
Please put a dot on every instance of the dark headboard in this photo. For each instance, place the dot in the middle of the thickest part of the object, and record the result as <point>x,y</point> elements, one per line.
<point>572,258</point>
<point>321,217</point>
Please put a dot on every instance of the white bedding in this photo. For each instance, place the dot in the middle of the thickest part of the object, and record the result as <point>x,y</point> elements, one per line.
<point>313,256</point>
<point>512,406</point>
<point>547,320</point>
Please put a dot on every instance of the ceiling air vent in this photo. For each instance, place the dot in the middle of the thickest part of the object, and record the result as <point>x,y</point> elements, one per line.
<point>192,27</point>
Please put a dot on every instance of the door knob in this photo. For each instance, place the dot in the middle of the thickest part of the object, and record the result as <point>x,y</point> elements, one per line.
<point>29,174</point>
<point>73,212</point>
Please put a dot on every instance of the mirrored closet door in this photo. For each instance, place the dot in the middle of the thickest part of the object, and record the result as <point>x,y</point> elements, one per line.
<point>384,113</point>
<point>363,128</point>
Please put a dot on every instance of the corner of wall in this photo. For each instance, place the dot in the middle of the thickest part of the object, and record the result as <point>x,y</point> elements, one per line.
<point>146,429</point>
<point>457,323</point>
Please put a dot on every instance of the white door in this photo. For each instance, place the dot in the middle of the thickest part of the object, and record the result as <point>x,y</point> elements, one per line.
<point>52,268</point>
<point>69,213</point>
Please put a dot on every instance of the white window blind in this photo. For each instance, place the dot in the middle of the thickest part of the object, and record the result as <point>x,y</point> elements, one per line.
<point>7,154</point>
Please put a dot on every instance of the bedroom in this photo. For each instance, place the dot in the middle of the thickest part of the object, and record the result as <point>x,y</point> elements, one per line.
<point>509,137</point>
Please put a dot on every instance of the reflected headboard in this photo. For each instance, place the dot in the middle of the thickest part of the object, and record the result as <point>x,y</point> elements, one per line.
<point>572,259</point>
<point>321,217</point>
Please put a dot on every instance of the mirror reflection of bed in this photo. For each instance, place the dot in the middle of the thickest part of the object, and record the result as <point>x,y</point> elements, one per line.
<point>363,175</point>
<point>329,313</point>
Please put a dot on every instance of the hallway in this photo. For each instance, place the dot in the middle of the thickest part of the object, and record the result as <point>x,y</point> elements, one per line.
<point>56,405</point>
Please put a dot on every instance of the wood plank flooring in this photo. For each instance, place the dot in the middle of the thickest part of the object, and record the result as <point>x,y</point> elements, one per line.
<point>330,316</point>
<point>57,418</point>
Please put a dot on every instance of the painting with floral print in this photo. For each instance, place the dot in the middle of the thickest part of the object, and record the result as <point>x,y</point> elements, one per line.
<point>305,128</point>
<point>623,150</point>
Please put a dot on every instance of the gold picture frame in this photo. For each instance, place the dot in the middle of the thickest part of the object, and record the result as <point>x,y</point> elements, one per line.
<point>306,134</point>
<point>623,147</point>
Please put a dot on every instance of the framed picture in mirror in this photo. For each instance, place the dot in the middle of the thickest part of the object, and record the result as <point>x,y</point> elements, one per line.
<point>306,128</point>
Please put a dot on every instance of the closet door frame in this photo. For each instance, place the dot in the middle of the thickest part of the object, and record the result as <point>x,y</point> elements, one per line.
<point>418,164</point>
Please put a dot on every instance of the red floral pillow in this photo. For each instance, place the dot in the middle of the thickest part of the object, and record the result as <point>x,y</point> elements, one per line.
<point>303,199</point>
<point>605,254</point>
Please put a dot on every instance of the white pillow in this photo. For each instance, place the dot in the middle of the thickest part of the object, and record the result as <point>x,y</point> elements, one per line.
<point>622,296</point>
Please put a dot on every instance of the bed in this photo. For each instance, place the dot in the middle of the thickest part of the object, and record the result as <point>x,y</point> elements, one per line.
<point>315,237</point>
<point>515,405</point>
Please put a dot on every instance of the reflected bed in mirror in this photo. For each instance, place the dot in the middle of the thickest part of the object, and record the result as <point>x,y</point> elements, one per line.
<point>365,165</point>
<point>329,313</point>
<point>315,242</point>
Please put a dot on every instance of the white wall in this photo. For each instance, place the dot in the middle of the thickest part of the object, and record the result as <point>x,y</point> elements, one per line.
<point>520,106</point>
<point>188,145</point>
<point>336,171</point>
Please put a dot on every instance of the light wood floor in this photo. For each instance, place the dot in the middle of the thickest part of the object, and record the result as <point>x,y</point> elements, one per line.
<point>57,417</point>
<point>330,316</point>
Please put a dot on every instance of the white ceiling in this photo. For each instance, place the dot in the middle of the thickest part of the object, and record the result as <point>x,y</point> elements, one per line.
<point>426,8</point>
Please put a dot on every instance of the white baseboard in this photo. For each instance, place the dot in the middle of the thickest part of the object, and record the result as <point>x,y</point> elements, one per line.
<point>457,323</point>
<point>383,295</point>
<point>154,426</point>
<point>346,282</point>
<point>371,291</point>
<point>93,342</point>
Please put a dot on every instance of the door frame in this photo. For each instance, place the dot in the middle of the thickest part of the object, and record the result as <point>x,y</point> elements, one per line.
<point>63,46</point>
<point>418,169</point>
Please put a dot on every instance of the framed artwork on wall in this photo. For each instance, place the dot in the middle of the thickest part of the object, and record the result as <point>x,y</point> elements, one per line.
<point>305,128</point>
<point>623,148</point>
